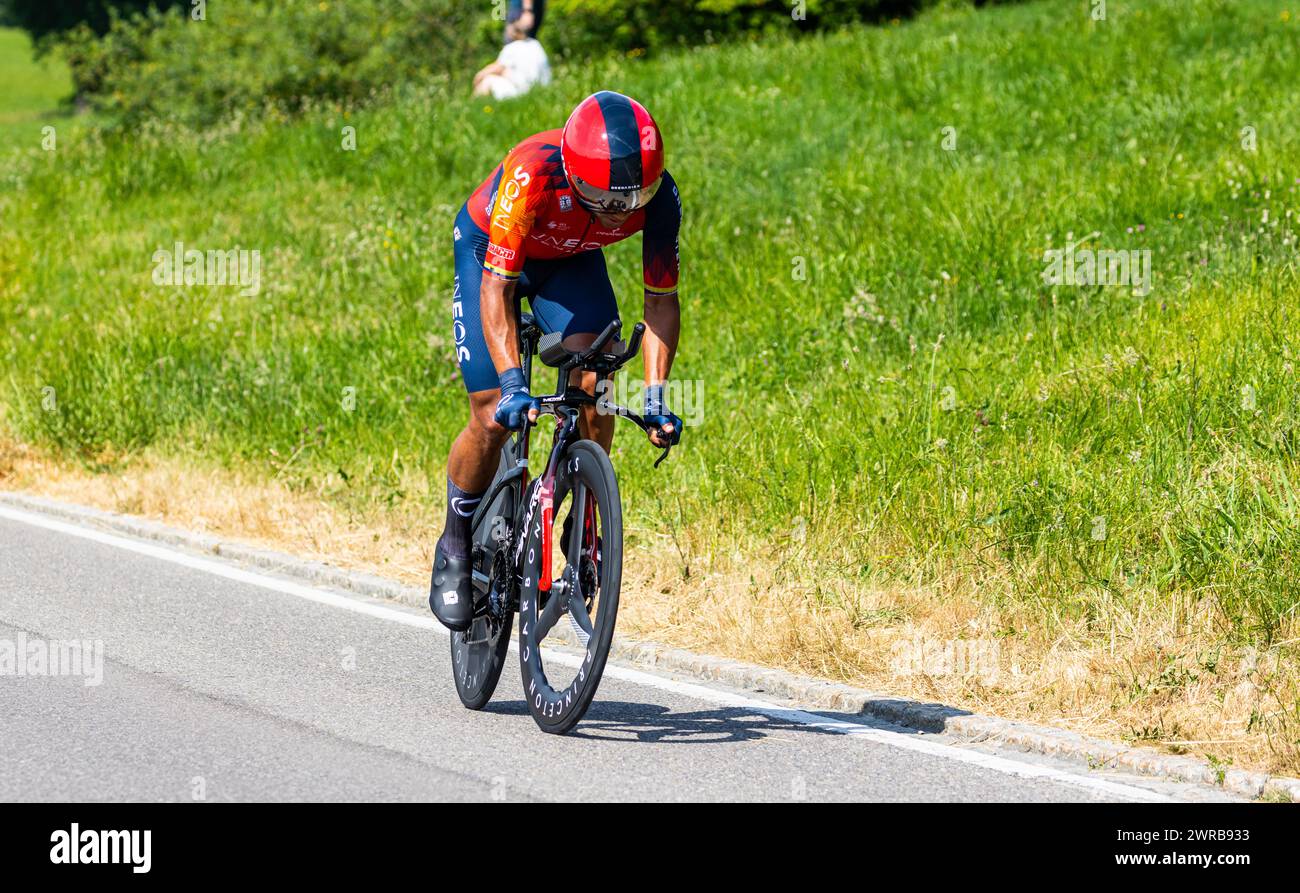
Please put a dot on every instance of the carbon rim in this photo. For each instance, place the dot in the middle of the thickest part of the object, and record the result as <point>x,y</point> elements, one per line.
<point>576,621</point>
<point>478,654</point>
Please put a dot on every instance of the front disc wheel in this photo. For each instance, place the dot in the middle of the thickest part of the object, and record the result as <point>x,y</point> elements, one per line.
<point>578,612</point>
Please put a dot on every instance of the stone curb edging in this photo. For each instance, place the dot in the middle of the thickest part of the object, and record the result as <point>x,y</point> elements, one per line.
<point>806,691</point>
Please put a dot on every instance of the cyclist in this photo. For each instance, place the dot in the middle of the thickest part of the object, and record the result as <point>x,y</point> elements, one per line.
<point>535,228</point>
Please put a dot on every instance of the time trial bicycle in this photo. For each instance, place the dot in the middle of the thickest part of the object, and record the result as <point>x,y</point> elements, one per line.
<point>565,596</point>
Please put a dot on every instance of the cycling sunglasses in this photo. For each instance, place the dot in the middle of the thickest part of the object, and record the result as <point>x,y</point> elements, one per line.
<point>609,201</point>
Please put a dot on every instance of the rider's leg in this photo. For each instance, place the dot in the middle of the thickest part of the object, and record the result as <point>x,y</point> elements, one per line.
<point>473,458</point>
<point>470,467</point>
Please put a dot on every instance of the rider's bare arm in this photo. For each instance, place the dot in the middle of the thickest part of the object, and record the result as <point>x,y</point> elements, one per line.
<point>496,306</point>
<point>663,325</point>
<point>662,313</point>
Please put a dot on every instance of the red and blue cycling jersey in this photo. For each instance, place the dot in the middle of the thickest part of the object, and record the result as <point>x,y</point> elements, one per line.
<point>528,211</point>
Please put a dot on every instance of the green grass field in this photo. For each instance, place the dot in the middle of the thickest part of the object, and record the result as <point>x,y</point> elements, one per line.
<point>892,394</point>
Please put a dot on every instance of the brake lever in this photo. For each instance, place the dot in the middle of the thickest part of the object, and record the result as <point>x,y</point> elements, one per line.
<point>646,427</point>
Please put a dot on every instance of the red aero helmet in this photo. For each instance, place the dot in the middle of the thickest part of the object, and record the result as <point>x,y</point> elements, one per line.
<point>613,153</point>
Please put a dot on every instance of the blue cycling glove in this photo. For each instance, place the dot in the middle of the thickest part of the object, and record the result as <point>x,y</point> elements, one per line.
<point>515,403</point>
<point>658,415</point>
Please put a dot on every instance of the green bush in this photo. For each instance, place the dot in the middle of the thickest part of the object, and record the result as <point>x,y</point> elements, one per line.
<point>247,55</point>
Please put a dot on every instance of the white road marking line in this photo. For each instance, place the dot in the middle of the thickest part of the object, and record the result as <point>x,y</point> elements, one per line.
<point>904,741</point>
<point>221,568</point>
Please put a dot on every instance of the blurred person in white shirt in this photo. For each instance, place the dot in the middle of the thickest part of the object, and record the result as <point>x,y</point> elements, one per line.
<point>521,65</point>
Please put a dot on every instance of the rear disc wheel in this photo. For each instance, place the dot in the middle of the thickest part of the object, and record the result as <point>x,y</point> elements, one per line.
<point>479,653</point>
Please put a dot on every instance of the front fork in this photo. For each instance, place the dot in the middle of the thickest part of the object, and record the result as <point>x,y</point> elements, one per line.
<point>566,430</point>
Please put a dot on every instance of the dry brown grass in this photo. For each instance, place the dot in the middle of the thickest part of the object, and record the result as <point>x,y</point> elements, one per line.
<point>1151,670</point>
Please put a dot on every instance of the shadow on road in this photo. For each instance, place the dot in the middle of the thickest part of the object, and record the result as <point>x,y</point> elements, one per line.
<point>657,724</point>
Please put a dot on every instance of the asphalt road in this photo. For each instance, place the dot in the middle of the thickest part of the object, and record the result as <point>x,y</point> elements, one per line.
<point>224,689</point>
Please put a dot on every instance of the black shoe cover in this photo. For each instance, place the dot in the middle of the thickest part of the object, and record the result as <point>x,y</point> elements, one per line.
<point>451,592</point>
